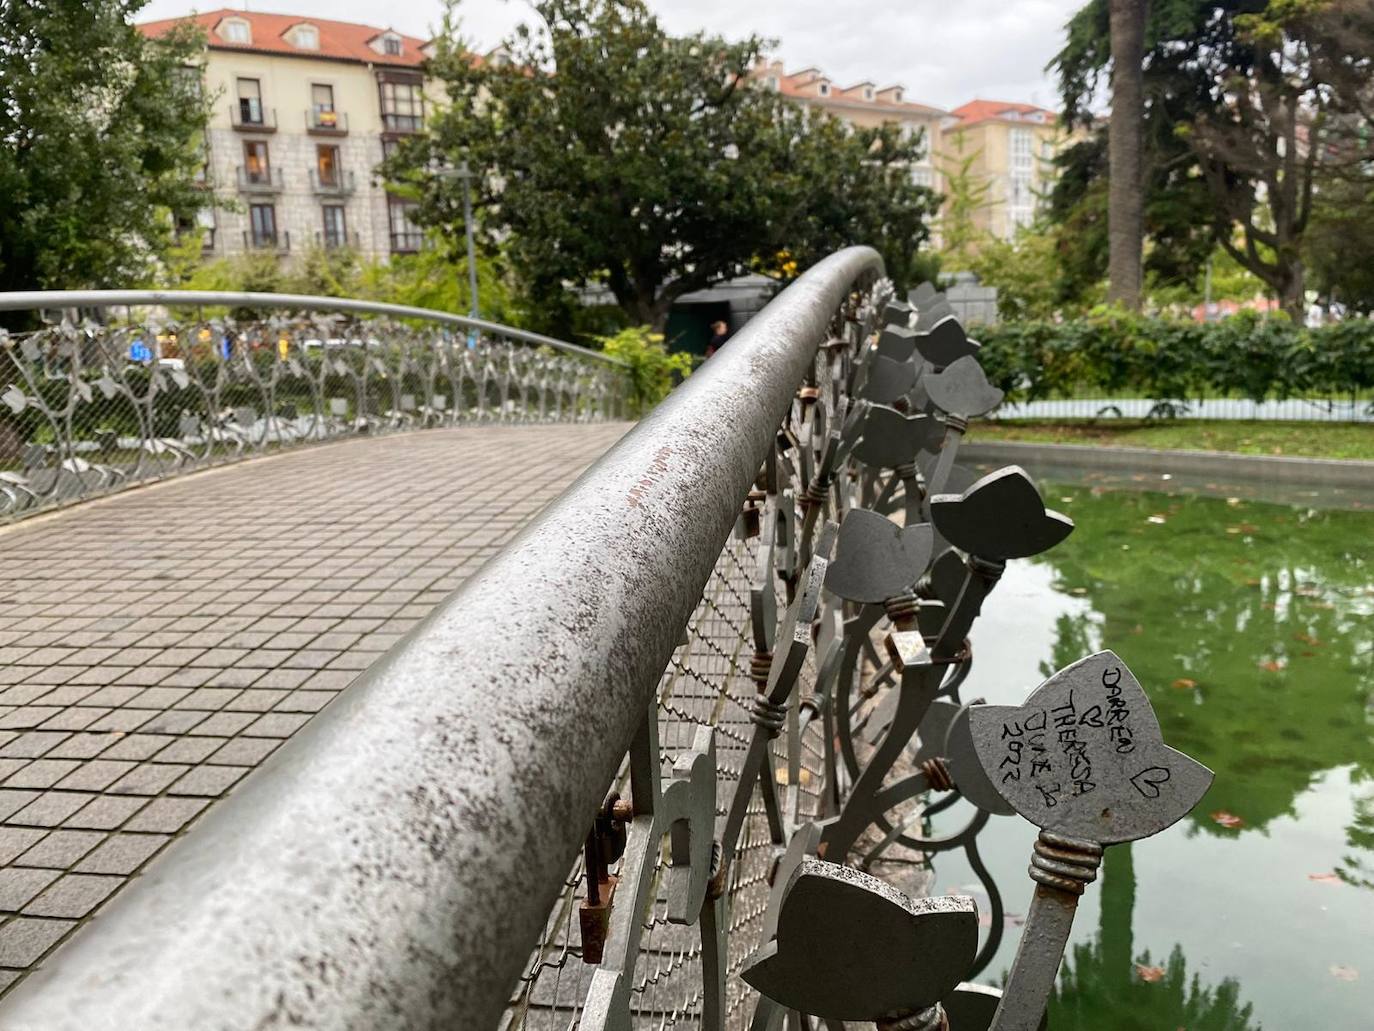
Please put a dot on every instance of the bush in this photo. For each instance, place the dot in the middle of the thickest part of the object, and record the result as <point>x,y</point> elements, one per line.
<point>653,370</point>
<point>1115,352</point>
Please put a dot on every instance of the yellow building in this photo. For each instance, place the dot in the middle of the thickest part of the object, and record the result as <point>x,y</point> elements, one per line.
<point>1007,147</point>
<point>303,110</point>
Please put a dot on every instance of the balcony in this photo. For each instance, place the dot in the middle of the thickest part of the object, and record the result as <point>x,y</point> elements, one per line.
<point>341,184</point>
<point>401,123</point>
<point>248,115</point>
<point>266,180</point>
<point>330,243</point>
<point>322,122</point>
<point>274,241</point>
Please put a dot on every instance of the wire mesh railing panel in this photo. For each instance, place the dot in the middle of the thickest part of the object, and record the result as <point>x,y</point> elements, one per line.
<point>707,684</point>
<point>90,407</point>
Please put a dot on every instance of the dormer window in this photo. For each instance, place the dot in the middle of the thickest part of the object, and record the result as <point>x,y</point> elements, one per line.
<point>868,92</point>
<point>823,89</point>
<point>897,96</point>
<point>235,30</point>
<point>391,46</point>
<point>305,37</point>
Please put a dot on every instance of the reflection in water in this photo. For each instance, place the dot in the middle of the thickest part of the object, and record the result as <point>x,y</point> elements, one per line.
<point>1252,628</point>
<point>1105,977</point>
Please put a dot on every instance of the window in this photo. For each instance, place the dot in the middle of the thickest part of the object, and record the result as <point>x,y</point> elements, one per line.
<point>405,234</point>
<point>389,148</point>
<point>322,97</point>
<point>250,101</point>
<point>824,89</point>
<point>868,92</point>
<point>923,175</point>
<point>305,37</point>
<point>263,218</point>
<point>1021,148</point>
<point>391,46</point>
<point>897,96</point>
<point>255,164</point>
<point>235,30</point>
<point>773,83</point>
<point>327,165</point>
<point>403,106</point>
<point>335,226</point>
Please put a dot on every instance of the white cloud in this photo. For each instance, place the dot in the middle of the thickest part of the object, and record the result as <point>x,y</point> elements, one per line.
<point>943,52</point>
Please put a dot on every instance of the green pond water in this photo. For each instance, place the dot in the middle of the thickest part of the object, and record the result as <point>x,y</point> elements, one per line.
<point>1252,628</point>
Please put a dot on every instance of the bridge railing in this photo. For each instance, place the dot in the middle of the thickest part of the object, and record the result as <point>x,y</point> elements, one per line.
<point>168,382</point>
<point>624,776</point>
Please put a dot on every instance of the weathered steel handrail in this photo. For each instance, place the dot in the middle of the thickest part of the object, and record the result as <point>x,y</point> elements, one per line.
<point>44,300</point>
<point>86,408</point>
<point>392,865</point>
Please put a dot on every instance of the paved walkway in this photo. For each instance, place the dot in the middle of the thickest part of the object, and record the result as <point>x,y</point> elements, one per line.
<point>157,645</point>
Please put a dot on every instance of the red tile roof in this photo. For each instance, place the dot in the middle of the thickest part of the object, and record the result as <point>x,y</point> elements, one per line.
<point>986,110</point>
<point>339,40</point>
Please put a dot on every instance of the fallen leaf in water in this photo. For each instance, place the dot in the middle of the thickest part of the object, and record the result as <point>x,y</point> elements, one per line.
<point>1307,639</point>
<point>1272,666</point>
<point>1228,820</point>
<point>1233,502</point>
<point>1156,519</point>
<point>1138,629</point>
<point>1344,973</point>
<point>1308,591</point>
<point>1325,878</point>
<point>1185,683</point>
<point>1233,529</point>
<point>1149,974</point>
<point>1247,528</point>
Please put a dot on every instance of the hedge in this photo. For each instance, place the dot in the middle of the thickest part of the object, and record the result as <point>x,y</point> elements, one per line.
<point>1118,354</point>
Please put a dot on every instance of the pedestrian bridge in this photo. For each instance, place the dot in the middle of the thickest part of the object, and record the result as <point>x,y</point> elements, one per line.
<point>561,721</point>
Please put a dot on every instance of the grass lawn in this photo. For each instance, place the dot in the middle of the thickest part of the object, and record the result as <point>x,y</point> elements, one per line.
<point>1305,439</point>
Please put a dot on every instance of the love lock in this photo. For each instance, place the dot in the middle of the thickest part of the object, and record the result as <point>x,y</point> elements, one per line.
<point>605,844</point>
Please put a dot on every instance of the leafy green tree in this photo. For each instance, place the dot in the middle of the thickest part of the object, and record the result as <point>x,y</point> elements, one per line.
<point>614,154</point>
<point>967,193</point>
<point>653,371</point>
<point>100,143</point>
<point>1025,271</point>
<point>1340,243</point>
<point>1259,104</point>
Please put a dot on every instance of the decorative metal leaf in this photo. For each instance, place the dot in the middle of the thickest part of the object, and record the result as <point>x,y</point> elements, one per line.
<point>889,439</point>
<point>943,342</point>
<point>14,398</point>
<point>999,517</point>
<point>1083,756</point>
<point>851,947</point>
<point>876,558</point>
<point>961,388</point>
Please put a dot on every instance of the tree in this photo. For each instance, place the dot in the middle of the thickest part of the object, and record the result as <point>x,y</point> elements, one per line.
<point>1340,244</point>
<point>1125,211</point>
<point>1259,104</point>
<point>99,143</point>
<point>615,154</point>
<point>966,194</point>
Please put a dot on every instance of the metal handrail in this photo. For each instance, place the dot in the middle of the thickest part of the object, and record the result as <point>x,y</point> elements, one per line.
<point>392,865</point>
<point>37,300</point>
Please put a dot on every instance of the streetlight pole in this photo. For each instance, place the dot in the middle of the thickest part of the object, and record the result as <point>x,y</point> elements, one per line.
<point>466,175</point>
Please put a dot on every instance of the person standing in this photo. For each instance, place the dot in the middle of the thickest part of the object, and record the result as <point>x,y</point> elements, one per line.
<point>720,332</point>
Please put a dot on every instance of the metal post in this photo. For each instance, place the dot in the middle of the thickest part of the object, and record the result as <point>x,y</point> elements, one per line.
<point>466,175</point>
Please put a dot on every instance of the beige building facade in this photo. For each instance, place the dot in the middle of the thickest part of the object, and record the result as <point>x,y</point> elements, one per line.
<point>303,111</point>
<point>1007,147</point>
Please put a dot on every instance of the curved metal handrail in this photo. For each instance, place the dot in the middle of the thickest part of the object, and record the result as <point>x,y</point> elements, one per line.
<point>392,865</point>
<point>37,300</point>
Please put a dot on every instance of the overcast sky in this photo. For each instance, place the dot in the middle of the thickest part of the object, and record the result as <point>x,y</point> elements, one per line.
<point>943,52</point>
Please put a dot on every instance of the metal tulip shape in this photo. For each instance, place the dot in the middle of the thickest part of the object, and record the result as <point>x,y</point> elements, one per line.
<point>1083,756</point>
<point>943,342</point>
<point>961,388</point>
<point>852,947</point>
<point>1000,517</point>
<point>876,559</point>
<point>890,439</point>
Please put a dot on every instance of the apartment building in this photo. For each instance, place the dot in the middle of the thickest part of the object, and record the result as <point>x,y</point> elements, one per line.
<point>304,109</point>
<point>864,104</point>
<point>1008,147</point>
